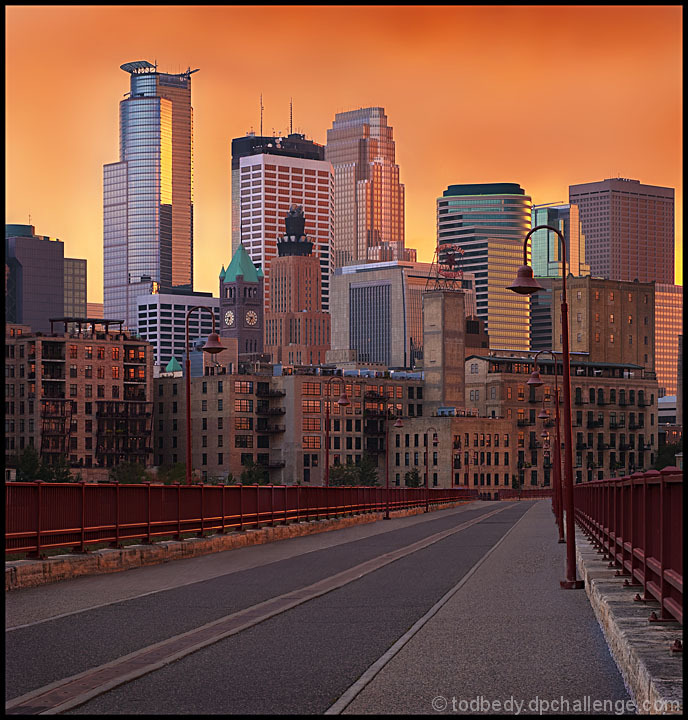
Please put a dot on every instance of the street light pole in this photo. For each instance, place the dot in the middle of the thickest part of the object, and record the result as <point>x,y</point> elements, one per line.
<point>212,346</point>
<point>525,284</point>
<point>427,453</point>
<point>397,424</point>
<point>342,402</point>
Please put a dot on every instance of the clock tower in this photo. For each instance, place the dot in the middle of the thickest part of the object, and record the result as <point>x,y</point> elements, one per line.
<point>241,303</point>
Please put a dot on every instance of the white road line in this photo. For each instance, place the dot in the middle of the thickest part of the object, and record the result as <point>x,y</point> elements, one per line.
<point>349,695</point>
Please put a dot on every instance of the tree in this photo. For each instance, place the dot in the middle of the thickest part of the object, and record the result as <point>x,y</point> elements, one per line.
<point>59,470</point>
<point>666,456</point>
<point>344,475</point>
<point>367,471</point>
<point>412,478</point>
<point>128,473</point>
<point>254,474</point>
<point>28,465</point>
<point>169,474</point>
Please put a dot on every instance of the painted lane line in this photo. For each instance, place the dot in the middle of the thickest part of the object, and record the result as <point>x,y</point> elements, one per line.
<point>353,691</point>
<point>75,690</point>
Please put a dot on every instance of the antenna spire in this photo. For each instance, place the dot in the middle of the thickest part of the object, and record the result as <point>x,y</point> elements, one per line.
<point>291,117</point>
<point>261,114</point>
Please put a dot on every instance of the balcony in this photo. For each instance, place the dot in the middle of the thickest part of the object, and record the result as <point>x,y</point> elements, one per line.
<point>626,446</point>
<point>372,395</point>
<point>270,411</point>
<point>261,392</point>
<point>602,446</point>
<point>581,446</point>
<point>644,446</point>
<point>616,425</point>
<point>270,429</point>
<point>523,422</point>
<point>635,426</point>
<point>594,423</point>
<point>271,464</point>
<point>580,401</point>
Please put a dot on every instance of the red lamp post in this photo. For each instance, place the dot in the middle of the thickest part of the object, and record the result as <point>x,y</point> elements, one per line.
<point>342,402</point>
<point>212,346</point>
<point>535,381</point>
<point>526,284</point>
<point>427,453</point>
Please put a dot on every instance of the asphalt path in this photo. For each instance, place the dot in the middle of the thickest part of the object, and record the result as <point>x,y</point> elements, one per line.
<point>43,652</point>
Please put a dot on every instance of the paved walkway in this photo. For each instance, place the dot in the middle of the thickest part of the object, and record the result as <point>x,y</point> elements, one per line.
<point>508,635</point>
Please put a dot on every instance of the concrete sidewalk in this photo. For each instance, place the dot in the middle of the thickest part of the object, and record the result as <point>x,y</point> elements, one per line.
<point>509,641</point>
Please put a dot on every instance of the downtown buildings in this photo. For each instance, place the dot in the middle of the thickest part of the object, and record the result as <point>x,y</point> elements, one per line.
<point>148,194</point>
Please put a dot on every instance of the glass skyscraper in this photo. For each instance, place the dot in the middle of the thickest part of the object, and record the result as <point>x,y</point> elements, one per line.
<point>368,197</point>
<point>488,223</point>
<point>546,248</point>
<point>148,194</point>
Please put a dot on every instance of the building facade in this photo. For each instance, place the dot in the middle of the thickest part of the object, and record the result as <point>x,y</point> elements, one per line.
<point>488,223</point>
<point>614,413</point>
<point>148,194</point>
<point>369,199</point>
<point>668,328</point>
<point>297,331</point>
<point>269,175</point>
<point>84,395</point>
<point>629,229</point>
<point>609,320</point>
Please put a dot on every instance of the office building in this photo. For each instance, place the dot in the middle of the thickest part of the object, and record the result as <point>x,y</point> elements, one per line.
<point>629,229</point>
<point>541,313</point>
<point>41,283</point>
<point>85,395</point>
<point>162,321</point>
<point>95,310</point>
<point>546,248</point>
<point>269,175</point>
<point>297,331</point>
<point>241,303</point>
<point>611,321</point>
<point>489,223</point>
<point>679,382</point>
<point>668,328</point>
<point>368,197</point>
<point>148,194</point>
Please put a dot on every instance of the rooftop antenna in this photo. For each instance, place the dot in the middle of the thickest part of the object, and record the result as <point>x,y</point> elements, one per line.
<point>291,117</point>
<point>261,114</point>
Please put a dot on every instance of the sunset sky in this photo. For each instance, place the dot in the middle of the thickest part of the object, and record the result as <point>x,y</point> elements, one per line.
<point>541,96</point>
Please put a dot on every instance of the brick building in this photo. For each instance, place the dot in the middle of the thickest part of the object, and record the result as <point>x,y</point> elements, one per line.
<point>84,394</point>
<point>614,413</point>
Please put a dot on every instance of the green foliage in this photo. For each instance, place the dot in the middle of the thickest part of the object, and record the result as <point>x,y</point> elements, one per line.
<point>350,474</point>
<point>367,471</point>
<point>59,470</point>
<point>129,473</point>
<point>666,456</point>
<point>412,478</point>
<point>254,474</point>
<point>28,465</point>
<point>169,474</point>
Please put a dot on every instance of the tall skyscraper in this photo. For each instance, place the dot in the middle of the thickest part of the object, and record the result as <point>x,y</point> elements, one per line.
<point>40,282</point>
<point>269,175</point>
<point>546,250</point>
<point>489,223</point>
<point>148,194</point>
<point>629,229</point>
<point>368,197</point>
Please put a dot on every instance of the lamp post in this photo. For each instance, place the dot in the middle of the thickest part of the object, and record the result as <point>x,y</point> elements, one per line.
<point>535,381</point>
<point>212,346</point>
<point>526,284</point>
<point>397,424</point>
<point>342,402</point>
<point>427,453</point>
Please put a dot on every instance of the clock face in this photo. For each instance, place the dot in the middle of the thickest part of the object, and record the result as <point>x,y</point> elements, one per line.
<point>229,318</point>
<point>251,317</point>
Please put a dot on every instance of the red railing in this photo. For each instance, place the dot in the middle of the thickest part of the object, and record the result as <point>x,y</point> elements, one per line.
<point>525,493</point>
<point>41,515</point>
<point>637,521</point>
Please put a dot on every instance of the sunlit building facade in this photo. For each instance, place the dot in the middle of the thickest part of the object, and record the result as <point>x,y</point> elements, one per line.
<point>369,199</point>
<point>489,222</point>
<point>546,249</point>
<point>148,194</point>
<point>668,327</point>
<point>629,229</point>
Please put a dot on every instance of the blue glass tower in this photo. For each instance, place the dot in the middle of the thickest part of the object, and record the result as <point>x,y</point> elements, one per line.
<point>148,194</point>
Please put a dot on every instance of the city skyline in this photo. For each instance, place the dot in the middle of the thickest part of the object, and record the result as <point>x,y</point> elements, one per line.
<point>623,62</point>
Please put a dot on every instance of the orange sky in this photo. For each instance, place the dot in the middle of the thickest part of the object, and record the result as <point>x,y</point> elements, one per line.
<point>541,96</point>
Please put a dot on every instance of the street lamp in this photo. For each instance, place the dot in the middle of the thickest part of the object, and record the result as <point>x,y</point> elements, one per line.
<point>427,453</point>
<point>526,284</point>
<point>212,346</point>
<point>397,424</point>
<point>342,402</point>
<point>535,381</point>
